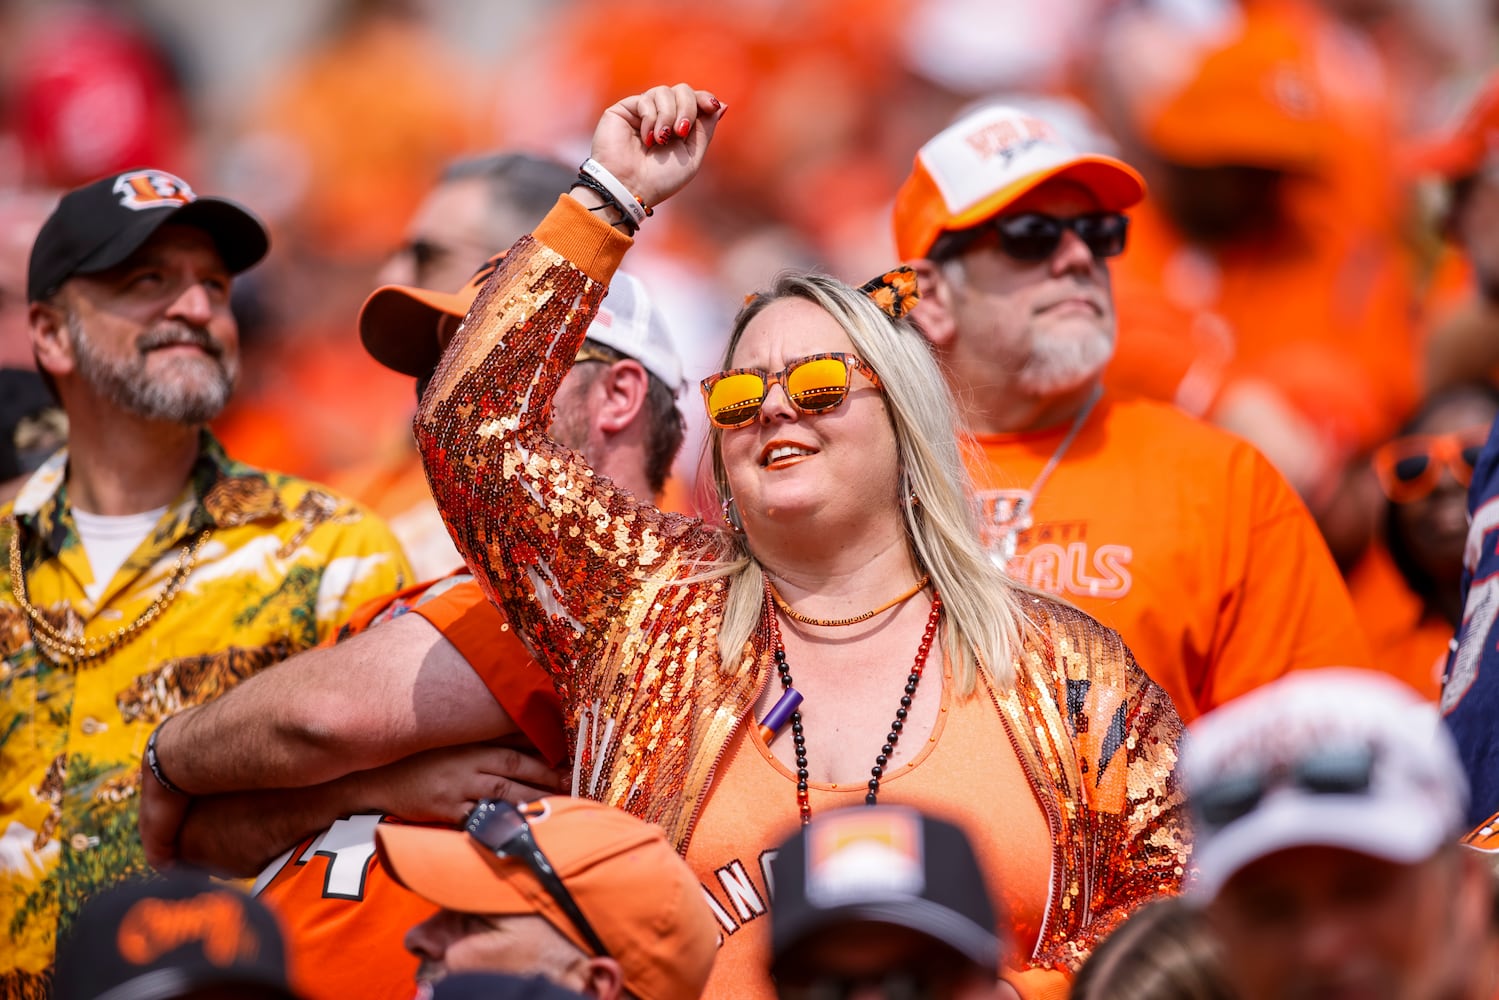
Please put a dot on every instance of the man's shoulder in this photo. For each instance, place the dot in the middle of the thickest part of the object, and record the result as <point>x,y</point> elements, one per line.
<point>1156,425</point>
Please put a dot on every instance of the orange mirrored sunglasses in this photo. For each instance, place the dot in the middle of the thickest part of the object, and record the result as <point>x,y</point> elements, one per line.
<point>1409,468</point>
<point>814,384</point>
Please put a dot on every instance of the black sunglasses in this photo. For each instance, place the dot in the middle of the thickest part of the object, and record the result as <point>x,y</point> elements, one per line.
<point>502,828</point>
<point>1333,772</point>
<point>1032,236</point>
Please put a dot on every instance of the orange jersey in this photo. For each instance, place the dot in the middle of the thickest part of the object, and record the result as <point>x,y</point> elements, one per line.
<point>344,916</point>
<point>1181,537</point>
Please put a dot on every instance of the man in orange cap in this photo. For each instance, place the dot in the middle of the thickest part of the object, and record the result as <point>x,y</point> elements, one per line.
<point>580,893</point>
<point>1179,536</point>
<point>1266,288</point>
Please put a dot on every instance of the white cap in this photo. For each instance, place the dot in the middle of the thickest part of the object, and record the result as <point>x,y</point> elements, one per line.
<point>629,322</point>
<point>1333,758</point>
<point>976,167</point>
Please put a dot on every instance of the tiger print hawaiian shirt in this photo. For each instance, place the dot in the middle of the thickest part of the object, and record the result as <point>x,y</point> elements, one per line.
<point>283,563</point>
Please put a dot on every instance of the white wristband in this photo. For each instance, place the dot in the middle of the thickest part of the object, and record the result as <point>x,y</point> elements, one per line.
<point>627,202</point>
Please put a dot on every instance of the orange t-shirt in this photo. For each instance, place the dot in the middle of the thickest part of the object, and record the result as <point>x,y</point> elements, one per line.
<point>344,917</point>
<point>1182,538</point>
<point>967,774</point>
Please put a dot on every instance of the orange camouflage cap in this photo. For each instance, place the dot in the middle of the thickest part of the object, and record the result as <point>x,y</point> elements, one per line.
<point>635,891</point>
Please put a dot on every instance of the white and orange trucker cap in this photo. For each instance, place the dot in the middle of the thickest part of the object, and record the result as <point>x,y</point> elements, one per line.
<point>982,163</point>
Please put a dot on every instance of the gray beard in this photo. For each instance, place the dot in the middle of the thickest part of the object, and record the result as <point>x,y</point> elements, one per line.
<point>1055,368</point>
<point>196,391</point>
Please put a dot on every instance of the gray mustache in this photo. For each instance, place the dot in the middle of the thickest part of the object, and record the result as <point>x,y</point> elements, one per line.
<point>173,334</point>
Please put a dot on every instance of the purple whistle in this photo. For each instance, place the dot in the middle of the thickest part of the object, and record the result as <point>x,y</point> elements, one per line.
<point>775,720</point>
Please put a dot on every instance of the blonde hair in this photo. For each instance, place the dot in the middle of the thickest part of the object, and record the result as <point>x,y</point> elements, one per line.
<point>985,621</point>
<point>1164,951</point>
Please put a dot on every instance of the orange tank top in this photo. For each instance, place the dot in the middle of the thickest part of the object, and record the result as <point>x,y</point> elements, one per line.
<point>968,773</point>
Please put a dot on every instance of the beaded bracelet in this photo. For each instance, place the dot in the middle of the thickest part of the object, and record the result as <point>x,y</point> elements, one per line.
<point>584,181</point>
<point>154,763</point>
<point>622,196</point>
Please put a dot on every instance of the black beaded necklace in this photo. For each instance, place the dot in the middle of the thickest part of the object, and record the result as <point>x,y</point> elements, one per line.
<point>798,735</point>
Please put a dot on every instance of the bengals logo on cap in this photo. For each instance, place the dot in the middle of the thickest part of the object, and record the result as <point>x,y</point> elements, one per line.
<point>141,189</point>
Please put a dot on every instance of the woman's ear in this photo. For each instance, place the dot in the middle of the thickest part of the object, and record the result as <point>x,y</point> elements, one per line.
<point>933,315</point>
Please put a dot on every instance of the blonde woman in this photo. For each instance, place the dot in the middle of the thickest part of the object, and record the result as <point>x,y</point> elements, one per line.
<point>847,570</point>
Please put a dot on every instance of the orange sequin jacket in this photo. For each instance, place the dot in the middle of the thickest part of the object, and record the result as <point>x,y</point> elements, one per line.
<point>589,576</point>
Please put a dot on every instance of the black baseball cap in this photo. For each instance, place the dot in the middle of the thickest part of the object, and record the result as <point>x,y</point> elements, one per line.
<point>882,865</point>
<point>170,936</point>
<point>99,225</point>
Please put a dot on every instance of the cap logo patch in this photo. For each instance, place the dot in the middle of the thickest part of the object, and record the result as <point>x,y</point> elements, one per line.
<point>863,854</point>
<point>214,921</point>
<point>1009,137</point>
<point>143,189</point>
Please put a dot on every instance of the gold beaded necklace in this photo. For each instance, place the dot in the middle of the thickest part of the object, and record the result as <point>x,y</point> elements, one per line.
<point>840,622</point>
<point>55,643</point>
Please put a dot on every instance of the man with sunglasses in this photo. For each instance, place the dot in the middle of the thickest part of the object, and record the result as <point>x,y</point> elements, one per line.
<point>1327,808</point>
<point>580,893</point>
<point>1181,537</point>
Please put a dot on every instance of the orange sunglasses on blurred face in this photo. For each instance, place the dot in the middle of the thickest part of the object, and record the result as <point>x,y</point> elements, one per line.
<point>1409,468</point>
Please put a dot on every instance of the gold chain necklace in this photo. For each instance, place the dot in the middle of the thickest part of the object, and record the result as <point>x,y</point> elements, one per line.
<point>839,622</point>
<point>54,642</point>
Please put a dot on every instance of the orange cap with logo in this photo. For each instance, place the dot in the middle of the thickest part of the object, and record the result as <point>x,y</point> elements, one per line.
<point>1252,102</point>
<point>635,891</point>
<point>982,163</point>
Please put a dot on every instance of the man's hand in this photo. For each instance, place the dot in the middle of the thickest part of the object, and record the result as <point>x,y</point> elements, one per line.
<point>444,785</point>
<point>654,142</point>
<point>161,818</point>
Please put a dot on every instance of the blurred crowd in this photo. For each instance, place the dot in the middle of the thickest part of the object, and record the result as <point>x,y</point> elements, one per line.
<point>1314,268</point>
<point>1287,275</point>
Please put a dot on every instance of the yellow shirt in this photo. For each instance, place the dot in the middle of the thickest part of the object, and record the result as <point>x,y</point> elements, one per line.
<point>284,562</point>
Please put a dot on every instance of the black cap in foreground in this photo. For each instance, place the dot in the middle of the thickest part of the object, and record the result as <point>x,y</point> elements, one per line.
<point>168,937</point>
<point>99,225</point>
<point>884,865</point>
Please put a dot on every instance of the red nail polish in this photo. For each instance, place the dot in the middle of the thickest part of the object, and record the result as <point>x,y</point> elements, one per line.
<point>714,101</point>
<point>650,139</point>
<point>683,127</point>
<point>663,135</point>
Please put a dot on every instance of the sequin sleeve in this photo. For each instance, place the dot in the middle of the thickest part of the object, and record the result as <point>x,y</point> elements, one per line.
<point>1107,738</point>
<point>559,548</point>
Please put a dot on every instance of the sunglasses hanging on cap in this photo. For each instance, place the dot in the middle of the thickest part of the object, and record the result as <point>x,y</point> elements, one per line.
<point>814,384</point>
<point>503,829</point>
<point>1410,468</point>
